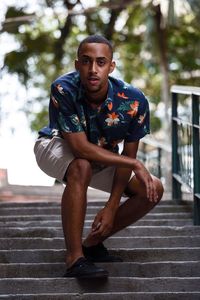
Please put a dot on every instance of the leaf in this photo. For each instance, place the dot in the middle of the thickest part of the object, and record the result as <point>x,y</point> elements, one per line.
<point>16,62</point>
<point>14,18</point>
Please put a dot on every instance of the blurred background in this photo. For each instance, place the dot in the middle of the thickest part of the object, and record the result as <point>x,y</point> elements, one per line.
<point>156,44</point>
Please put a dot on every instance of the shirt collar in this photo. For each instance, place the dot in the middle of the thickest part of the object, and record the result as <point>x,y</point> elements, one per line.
<point>109,99</point>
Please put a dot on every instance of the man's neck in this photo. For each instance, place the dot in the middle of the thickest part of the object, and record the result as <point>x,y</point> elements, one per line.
<point>96,100</point>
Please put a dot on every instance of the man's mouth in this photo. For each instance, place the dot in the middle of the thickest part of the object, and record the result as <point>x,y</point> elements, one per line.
<point>93,80</point>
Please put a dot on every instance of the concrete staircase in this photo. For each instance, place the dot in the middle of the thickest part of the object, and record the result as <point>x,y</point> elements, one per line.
<point>161,253</point>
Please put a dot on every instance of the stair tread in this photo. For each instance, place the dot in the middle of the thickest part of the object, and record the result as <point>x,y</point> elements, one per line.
<point>91,209</point>
<point>41,231</point>
<point>107,296</point>
<point>112,284</point>
<point>136,242</point>
<point>130,269</point>
<point>161,254</point>
<point>128,254</point>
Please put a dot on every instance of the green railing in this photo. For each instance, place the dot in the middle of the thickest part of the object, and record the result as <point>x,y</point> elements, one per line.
<point>154,155</point>
<point>185,144</point>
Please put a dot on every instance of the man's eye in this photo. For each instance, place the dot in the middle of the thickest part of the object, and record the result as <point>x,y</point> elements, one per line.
<point>85,61</point>
<point>101,62</point>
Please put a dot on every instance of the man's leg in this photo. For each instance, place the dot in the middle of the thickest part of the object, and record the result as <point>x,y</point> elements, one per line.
<point>131,210</point>
<point>136,206</point>
<point>74,207</point>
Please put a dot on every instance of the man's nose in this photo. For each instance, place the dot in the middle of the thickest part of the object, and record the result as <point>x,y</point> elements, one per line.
<point>93,67</point>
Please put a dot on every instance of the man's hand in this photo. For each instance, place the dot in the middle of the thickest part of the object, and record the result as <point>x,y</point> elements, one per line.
<point>103,222</point>
<point>143,175</point>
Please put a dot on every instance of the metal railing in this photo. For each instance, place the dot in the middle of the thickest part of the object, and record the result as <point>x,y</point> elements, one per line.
<point>185,144</point>
<point>156,156</point>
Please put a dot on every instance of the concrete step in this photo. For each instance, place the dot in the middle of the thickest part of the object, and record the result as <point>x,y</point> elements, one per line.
<point>131,231</point>
<point>150,215</point>
<point>156,216</point>
<point>112,284</point>
<point>57,223</point>
<point>107,296</point>
<point>128,254</point>
<point>125,269</point>
<point>161,254</point>
<point>90,210</point>
<point>93,201</point>
<point>114,242</point>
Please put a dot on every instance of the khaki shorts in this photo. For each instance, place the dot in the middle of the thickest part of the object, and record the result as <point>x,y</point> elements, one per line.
<point>53,156</point>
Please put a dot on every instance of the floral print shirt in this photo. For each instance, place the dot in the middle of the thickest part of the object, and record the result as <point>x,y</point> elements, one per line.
<point>123,116</point>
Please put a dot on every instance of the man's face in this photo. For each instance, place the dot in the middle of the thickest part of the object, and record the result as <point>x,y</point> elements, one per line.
<point>94,65</point>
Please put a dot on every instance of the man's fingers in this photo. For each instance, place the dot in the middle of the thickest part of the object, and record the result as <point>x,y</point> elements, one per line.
<point>151,191</point>
<point>147,180</point>
<point>96,224</point>
<point>101,230</point>
<point>105,230</point>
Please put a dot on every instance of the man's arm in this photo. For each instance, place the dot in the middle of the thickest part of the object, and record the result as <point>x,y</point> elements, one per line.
<point>82,148</point>
<point>103,221</point>
<point>122,175</point>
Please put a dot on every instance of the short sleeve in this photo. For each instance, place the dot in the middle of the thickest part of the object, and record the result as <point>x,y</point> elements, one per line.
<point>62,100</point>
<point>140,125</point>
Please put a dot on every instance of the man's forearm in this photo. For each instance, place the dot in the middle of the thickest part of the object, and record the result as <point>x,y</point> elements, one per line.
<point>86,150</point>
<point>122,176</point>
<point>120,181</point>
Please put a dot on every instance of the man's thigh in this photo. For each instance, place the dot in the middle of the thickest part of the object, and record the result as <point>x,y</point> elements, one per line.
<point>53,156</point>
<point>103,180</point>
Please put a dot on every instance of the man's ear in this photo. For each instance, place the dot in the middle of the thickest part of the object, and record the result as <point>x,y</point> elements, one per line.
<point>76,64</point>
<point>112,66</point>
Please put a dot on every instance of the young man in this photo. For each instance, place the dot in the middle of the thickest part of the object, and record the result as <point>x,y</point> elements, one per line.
<point>90,114</point>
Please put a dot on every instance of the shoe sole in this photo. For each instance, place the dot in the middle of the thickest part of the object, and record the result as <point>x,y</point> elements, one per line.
<point>106,259</point>
<point>89,276</point>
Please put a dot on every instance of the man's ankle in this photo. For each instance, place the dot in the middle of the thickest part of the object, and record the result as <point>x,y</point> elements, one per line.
<point>71,260</point>
<point>89,242</point>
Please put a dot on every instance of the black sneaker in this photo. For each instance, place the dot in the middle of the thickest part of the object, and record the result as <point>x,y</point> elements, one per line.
<point>84,268</point>
<point>99,253</point>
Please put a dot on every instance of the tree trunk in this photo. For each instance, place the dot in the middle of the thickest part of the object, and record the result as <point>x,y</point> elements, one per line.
<point>161,36</point>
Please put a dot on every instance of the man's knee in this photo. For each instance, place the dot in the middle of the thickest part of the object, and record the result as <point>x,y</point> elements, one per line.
<point>79,170</point>
<point>136,188</point>
<point>159,189</point>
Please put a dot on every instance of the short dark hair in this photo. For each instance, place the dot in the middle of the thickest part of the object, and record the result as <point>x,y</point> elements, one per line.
<point>95,39</point>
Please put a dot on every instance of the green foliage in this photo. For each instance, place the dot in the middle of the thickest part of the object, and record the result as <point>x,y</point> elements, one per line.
<point>12,12</point>
<point>40,119</point>
<point>146,43</point>
<point>16,62</point>
<point>155,123</point>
